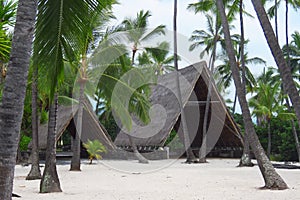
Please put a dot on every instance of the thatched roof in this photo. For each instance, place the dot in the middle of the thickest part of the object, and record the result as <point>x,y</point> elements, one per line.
<point>222,132</point>
<point>66,118</point>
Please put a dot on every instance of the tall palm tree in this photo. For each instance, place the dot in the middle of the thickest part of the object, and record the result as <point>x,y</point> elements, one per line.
<point>138,32</point>
<point>223,71</point>
<point>265,103</point>
<point>35,172</point>
<point>58,38</point>
<point>271,178</point>
<point>285,72</point>
<point>11,109</point>
<point>292,54</point>
<point>98,17</point>
<point>187,143</point>
<point>205,6</point>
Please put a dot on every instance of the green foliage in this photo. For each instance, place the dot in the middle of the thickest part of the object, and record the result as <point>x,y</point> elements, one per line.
<point>283,142</point>
<point>174,141</point>
<point>24,141</point>
<point>110,125</point>
<point>94,148</point>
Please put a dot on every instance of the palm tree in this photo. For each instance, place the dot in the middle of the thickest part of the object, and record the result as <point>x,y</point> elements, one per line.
<point>292,54</point>
<point>187,144</point>
<point>14,94</point>
<point>205,6</point>
<point>94,148</point>
<point>271,178</point>
<point>7,17</point>
<point>204,38</point>
<point>158,58</point>
<point>265,103</point>
<point>98,17</point>
<point>57,39</point>
<point>35,172</point>
<point>223,71</point>
<point>285,72</point>
<point>138,32</point>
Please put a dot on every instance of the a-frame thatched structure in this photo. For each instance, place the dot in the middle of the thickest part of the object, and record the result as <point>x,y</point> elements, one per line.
<point>66,119</point>
<point>194,80</point>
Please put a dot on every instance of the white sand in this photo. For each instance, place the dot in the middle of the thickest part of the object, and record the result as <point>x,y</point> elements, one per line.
<point>218,179</point>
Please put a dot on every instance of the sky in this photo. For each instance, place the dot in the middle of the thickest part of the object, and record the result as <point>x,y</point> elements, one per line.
<point>162,13</point>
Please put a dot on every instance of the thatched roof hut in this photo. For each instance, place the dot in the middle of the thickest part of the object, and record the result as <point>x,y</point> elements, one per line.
<point>222,130</point>
<point>66,119</point>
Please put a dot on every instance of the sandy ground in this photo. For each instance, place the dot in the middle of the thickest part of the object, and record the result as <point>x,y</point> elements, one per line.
<point>166,179</point>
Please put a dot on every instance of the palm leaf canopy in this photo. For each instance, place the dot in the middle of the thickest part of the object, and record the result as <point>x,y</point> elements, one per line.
<point>57,36</point>
<point>137,28</point>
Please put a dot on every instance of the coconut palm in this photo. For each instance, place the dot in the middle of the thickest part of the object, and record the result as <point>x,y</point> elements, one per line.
<point>293,54</point>
<point>14,93</point>
<point>58,38</point>
<point>35,172</point>
<point>285,72</point>
<point>224,72</point>
<point>98,18</point>
<point>158,58</point>
<point>137,30</point>
<point>7,18</point>
<point>271,177</point>
<point>204,6</point>
<point>265,104</point>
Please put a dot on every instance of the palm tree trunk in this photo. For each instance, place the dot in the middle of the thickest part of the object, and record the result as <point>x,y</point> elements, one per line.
<point>271,177</point>
<point>285,71</point>
<point>294,130</point>
<point>35,172</point>
<point>75,162</point>
<point>234,102</point>
<point>245,159</point>
<point>189,153</point>
<point>202,151</point>
<point>11,110</point>
<point>135,150</point>
<point>136,153</point>
<point>276,19</point>
<point>296,139</point>
<point>50,181</point>
<point>269,139</point>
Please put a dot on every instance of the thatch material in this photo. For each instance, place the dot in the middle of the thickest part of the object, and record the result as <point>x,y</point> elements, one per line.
<point>67,118</point>
<point>223,132</point>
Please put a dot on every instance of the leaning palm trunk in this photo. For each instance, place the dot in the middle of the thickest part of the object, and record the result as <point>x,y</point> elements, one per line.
<point>189,153</point>
<point>271,177</point>
<point>50,181</point>
<point>284,70</point>
<point>35,172</point>
<point>11,110</point>
<point>269,138</point>
<point>245,159</point>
